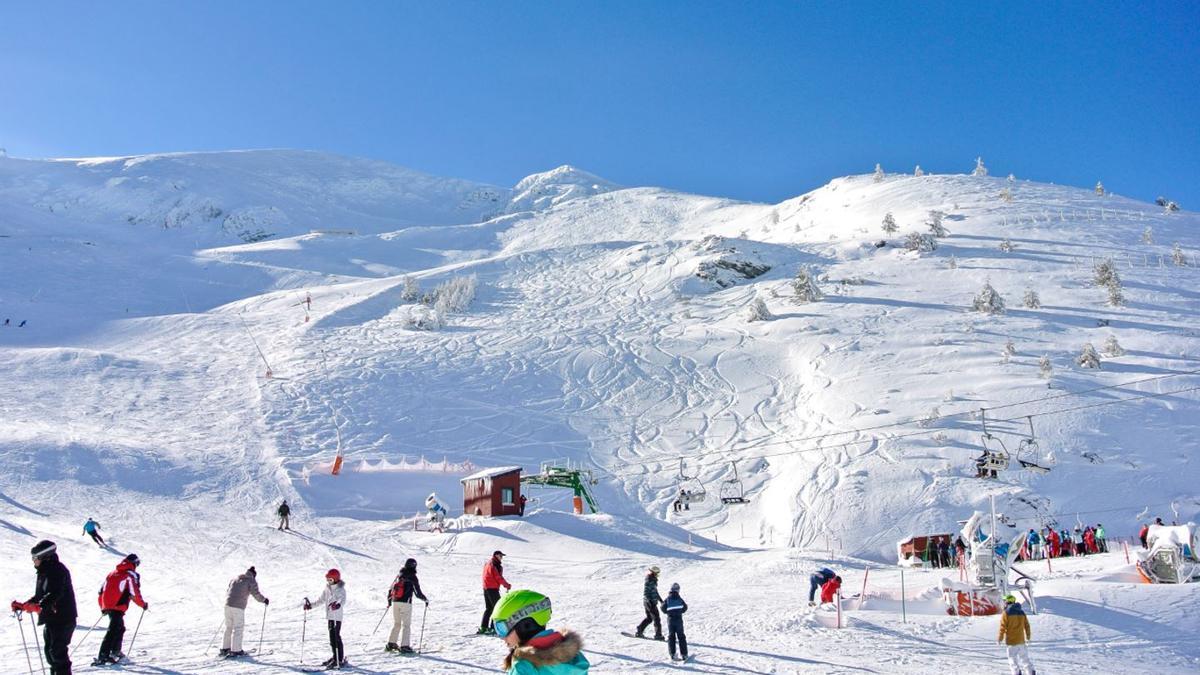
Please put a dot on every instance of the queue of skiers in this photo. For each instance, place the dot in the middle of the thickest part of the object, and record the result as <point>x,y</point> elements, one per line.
<point>1051,543</point>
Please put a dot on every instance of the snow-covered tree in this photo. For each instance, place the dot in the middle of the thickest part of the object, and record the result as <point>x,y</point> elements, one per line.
<point>1031,300</point>
<point>987,300</point>
<point>1167,204</point>
<point>410,290</point>
<point>889,223</point>
<point>921,243</point>
<point>1006,245</point>
<point>1045,370</point>
<point>1116,295</point>
<point>1088,358</point>
<point>1012,178</point>
<point>1148,235</point>
<point>1104,273</point>
<point>1006,196</point>
<point>1177,256</point>
<point>758,311</point>
<point>455,294</point>
<point>1008,352</point>
<point>878,173</point>
<point>980,169</point>
<point>805,286</point>
<point>1112,347</point>
<point>952,263</point>
<point>918,172</point>
<point>1100,188</point>
<point>936,228</point>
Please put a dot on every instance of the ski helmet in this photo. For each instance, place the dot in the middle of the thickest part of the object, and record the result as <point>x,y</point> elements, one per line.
<point>654,570</point>
<point>517,606</point>
<point>674,588</point>
<point>1010,598</point>
<point>132,559</point>
<point>43,548</point>
<point>410,564</point>
<point>333,575</point>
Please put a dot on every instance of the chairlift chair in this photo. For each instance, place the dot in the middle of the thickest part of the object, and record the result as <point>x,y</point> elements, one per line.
<point>732,491</point>
<point>1030,455</point>
<point>995,456</point>
<point>691,490</point>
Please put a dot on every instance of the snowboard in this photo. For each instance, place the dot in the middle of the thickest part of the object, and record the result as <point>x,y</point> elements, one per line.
<point>641,637</point>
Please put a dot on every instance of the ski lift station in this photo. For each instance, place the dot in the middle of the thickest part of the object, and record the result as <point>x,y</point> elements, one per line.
<point>493,492</point>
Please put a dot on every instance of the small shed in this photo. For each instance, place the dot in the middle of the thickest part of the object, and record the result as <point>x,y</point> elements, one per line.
<point>916,551</point>
<point>493,492</point>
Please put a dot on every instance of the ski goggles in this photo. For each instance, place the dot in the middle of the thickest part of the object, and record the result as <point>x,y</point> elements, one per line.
<point>501,628</point>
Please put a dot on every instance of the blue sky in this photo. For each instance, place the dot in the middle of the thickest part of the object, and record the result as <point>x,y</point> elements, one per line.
<point>752,100</point>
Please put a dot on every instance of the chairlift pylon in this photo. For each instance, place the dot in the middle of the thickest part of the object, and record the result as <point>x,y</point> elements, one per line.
<point>732,490</point>
<point>1030,455</point>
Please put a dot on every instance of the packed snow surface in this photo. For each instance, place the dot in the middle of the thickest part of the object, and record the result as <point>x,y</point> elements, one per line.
<point>430,328</point>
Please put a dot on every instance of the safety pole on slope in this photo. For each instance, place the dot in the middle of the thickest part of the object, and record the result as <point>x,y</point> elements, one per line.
<point>1049,569</point>
<point>1125,545</point>
<point>903,602</point>
<point>863,596</point>
<point>839,608</point>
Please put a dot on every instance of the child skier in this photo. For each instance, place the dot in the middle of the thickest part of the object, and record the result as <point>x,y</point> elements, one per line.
<point>92,529</point>
<point>818,580</point>
<point>122,586</point>
<point>674,606</point>
<point>521,619</point>
<point>830,589</point>
<point>236,598</point>
<point>333,598</point>
<point>400,599</point>
<point>650,600</point>
<point>1014,632</point>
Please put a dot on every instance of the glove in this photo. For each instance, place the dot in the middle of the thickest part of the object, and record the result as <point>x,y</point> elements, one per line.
<point>508,587</point>
<point>266,601</point>
<point>307,605</point>
<point>334,606</point>
<point>18,606</point>
<point>31,607</point>
<point>145,606</point>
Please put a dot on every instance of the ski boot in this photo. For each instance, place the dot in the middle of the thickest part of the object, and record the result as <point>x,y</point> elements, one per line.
<point>234,655</point>
<point>660,638</point>
<point>406,650</point>
<point>328,663</point>
<point>391,647</point>
<point>223,653</point>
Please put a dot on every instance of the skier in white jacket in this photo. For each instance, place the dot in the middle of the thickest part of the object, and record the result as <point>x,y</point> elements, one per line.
<point>334,600</point>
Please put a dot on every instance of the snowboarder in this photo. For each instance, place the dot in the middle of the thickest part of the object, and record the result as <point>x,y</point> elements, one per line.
<point>283,512</point>
<point>1014,632</point>
<point>521,619</point>
<point>122,586</point>
<point>493,579</point>
<point>54,602</point>
<point>92,529</point>
<point>816,581</point>
<point>236,598</point>
<point>400,599</point>
<point>650,602</point>
<point>333,598</point>
<point>674,607</point>
<point>829,590</point>
<point>1101,538</point>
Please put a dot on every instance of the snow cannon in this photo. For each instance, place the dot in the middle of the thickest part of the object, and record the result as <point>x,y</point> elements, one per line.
<point>434,506</point>
<point>1172,556</point>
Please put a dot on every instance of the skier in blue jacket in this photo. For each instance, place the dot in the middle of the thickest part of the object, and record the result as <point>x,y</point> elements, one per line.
<point>818,580</point>
<point>674,607</point>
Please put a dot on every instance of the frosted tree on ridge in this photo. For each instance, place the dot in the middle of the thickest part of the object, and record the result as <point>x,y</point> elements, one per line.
<point>1088,358</point>
<point>1177,256</point>
<point>1112,347</point>
<point>1100,188</point>
<point>889,223</point>
<point>918,172</point>
<point>1148,235</point>
<point>936,228</point>
<point>980,169</point>
<point>805,286</point>
<point>758,311</point>
<point>1006,245</point>
<point>920,243</point>
<point>1104,273</point>
<point>411,290</point>
<point>987,300</point>
<point>878,173</point>
<point>1031,300</point>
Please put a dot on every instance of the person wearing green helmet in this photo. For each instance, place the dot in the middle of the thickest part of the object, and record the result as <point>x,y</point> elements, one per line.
<point>520,618</point>
<point>1014,631</point>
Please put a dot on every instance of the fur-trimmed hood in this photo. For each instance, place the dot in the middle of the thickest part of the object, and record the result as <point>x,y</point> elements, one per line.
<point>549,650</point>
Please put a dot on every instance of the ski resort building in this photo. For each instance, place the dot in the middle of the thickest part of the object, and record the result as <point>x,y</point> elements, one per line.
<point>493,492</point>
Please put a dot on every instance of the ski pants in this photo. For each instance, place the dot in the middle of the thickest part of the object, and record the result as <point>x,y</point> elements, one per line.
<point>674,634</point>
<point>111,646</point>
<point>96,538</point>
<point>401,623</point>
<point>815,581</point>
<point>235,626</point>
<point>1018,660</point>
<point>490,597</point>
<point>57,639</point>
<point>335,640</point>
<point>652,616</point>
<point>283,522</point>
<point>1103,544</point>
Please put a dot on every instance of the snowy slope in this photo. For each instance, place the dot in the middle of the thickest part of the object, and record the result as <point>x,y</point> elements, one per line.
<point>610,330</point>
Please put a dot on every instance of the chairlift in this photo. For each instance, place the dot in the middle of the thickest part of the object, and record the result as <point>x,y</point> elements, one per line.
<point>1030,455</point>
<point>995,455</point>
<point>732,491</point>
<point>691,490</point>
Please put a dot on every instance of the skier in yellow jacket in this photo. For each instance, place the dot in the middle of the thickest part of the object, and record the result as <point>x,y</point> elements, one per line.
<point>1014,631</point>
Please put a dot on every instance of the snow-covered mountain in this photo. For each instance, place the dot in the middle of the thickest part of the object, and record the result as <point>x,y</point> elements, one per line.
<point>609,328</point>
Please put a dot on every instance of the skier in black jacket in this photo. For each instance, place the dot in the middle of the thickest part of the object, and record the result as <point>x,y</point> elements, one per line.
<point>400,598</point>
<point>650,600</point>
<point>54,602</point>
<point>674,606</point>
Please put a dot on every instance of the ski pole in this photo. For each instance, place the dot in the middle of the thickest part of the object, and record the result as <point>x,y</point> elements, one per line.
<point>135,630</point>
<point>421,640</point>
<point>37,644</point>
<point>85,635</point>
<point>24,644</point>
<point>367,644</point>
<point>303,626</point>
<point>214,637</point>
<point>262,630</point>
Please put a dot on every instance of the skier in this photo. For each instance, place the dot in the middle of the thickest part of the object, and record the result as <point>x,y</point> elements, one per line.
<point>650,601</point>
<point>521,619</point>
<point>493,579</point>
<point>333,598</point>
<point>92,529</point>
<point>1053,541</point>
<point>1077,539</point>
<point>122,586</point>
<point>830,589</point>
<point>236,598</point>
<point>1014,631</point>
<point>400,599</point>
<point>816,581</point>
<point>54,602</point>
<point>1033,545</point>
<point>1101,538</point>
<point>283,512</point>
<point>1089,540</point>
<point>674,606</point>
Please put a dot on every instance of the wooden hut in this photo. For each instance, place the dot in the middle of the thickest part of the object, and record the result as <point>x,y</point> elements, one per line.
<point>493,492</point>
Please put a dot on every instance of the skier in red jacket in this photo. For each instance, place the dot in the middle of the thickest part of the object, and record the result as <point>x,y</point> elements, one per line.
<point>493,579</point>
<point>830,589</point>
<point>122,586</point>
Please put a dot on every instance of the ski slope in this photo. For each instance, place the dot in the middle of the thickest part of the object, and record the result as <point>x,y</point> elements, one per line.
<point>609,330</point>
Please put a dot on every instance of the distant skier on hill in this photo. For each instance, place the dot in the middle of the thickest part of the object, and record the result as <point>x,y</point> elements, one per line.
<point>817,580</point>
<point>92,529</point>
<point>650,601</point>
<point>283,512</point>
<point>400,599</point>
<point>333,599</point>
<point>122,586</point>
<point>236,598</point>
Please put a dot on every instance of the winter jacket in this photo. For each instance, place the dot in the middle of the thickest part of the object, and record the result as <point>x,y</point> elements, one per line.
<point>54,592</point>
<point>1100,533</point>
<point>674,606</point>
<point>1014,626</point>
<point>1143,532</point>
<point>283,509</point>
<point>829,590</point>
<point>333,598</point>
<point>240,590</point>
<point>650,589</point>
<point>90,526</point>
<point>548,653</point>
<point>406,587</point>
<point>1034,539</point>
<point>121,586</point>
<point>493,575</point>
